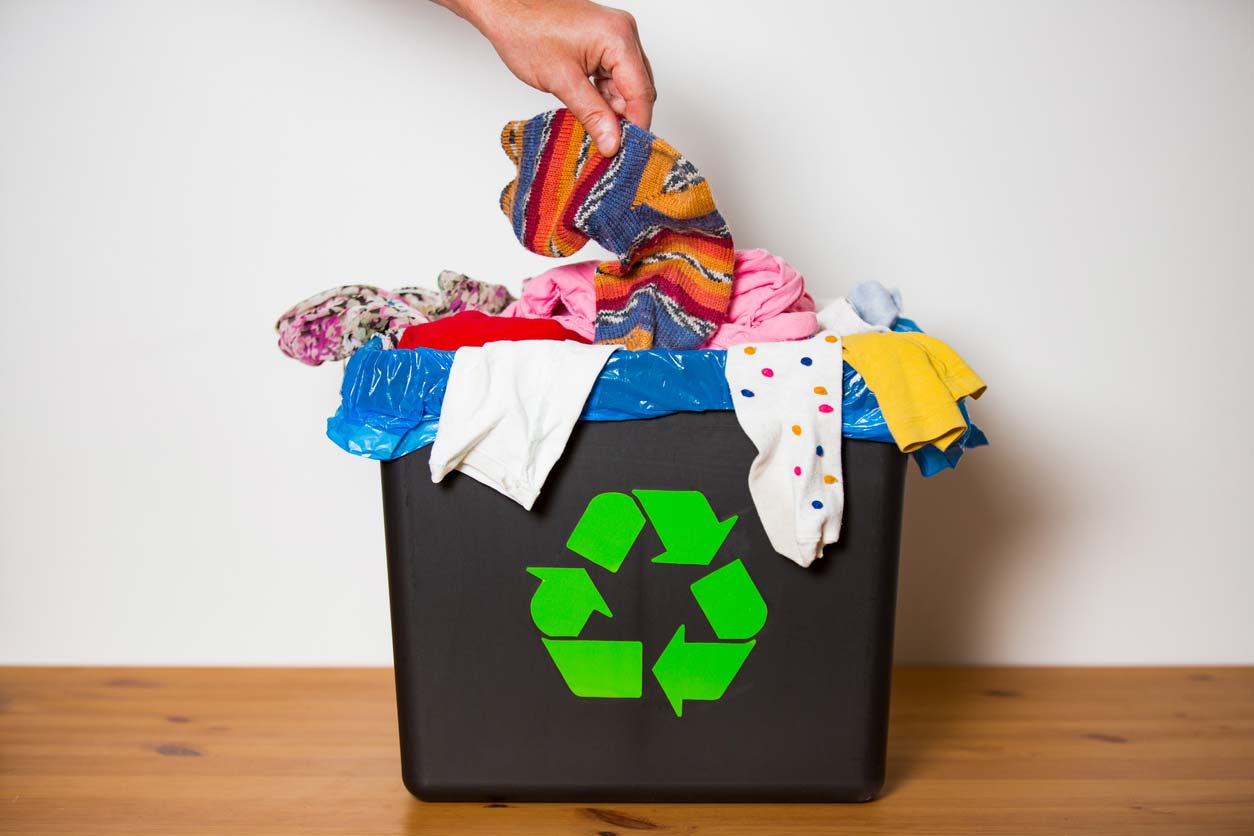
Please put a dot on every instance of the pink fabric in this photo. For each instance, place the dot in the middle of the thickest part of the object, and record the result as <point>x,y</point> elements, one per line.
<point>769,302</point>
<point>564,293</point>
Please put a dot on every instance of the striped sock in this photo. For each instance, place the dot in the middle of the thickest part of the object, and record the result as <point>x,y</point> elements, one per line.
<point>671,284</point>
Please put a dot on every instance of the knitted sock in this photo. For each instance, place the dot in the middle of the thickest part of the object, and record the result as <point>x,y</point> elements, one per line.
<point>648,205</point>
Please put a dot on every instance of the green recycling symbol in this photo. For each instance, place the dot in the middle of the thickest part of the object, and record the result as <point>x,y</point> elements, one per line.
<point>691,534</point>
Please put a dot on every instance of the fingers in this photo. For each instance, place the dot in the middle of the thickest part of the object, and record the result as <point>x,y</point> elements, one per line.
<point>633,78</point>
<point>624,78</point>
<point>633,83</point>
<point>609,92</point>
<point>603,42</point>
<point>592,111</point>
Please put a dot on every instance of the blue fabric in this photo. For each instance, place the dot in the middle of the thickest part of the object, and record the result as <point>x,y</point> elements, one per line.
<point>390,399</point>
<point>875,303</point>
<point>932,461</point>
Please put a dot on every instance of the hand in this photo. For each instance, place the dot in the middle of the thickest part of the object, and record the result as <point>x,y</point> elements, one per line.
<point>588,56</point>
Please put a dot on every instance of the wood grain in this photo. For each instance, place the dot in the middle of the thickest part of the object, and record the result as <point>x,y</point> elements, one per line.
<point>176,751</point>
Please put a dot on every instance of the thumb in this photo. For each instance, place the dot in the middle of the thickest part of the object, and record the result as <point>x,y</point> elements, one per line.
<point>592,111</point>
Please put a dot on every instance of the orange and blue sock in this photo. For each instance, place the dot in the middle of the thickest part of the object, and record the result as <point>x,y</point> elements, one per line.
<point>671,284</point>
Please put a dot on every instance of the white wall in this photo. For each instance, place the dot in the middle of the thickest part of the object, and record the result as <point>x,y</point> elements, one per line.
<point>1065,192</point>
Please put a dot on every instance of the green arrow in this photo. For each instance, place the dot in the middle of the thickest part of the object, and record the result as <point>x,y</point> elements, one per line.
<point>565,600</point>
<point>607,530</point>
<point>698,670</point>
<point>731,602</point>
<point>686,525</point>
<point>598,669</point>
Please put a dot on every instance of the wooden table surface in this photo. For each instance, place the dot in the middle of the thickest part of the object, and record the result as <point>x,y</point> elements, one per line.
<point>298,751</point>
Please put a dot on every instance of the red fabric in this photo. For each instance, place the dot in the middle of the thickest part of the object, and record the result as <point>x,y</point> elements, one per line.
<point>476,328</point>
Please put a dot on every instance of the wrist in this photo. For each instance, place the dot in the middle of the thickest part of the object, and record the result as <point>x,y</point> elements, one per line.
<point>480,14</point>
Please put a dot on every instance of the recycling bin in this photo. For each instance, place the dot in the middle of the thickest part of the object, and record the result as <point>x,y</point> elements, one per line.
<point>634,637</point>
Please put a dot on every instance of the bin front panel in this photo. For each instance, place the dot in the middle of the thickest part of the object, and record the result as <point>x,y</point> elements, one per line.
<point>485,713</point>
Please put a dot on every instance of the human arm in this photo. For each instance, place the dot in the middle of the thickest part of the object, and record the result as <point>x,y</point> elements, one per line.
<point>587,55</point>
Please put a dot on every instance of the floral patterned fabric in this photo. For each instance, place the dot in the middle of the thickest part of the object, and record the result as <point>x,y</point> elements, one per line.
<point>335,323</point>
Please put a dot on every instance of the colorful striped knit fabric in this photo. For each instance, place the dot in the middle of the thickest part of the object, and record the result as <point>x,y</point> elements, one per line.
<point>648,205</point>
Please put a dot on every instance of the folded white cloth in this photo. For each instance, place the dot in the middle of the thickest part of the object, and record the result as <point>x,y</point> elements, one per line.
<point>509,410</point>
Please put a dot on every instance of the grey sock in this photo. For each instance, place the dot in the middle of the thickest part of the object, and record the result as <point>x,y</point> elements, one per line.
<point>875,303</point>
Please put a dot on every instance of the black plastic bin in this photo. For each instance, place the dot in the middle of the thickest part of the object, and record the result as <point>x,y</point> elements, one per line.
<point>485,713</point>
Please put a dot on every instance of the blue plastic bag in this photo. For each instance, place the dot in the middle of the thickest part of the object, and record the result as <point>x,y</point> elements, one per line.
<point>390,399</point>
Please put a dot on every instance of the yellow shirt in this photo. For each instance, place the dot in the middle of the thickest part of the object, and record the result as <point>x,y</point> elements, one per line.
<point>918,381</point>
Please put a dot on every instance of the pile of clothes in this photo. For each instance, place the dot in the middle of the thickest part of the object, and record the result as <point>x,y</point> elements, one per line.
<point>679,312</point>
